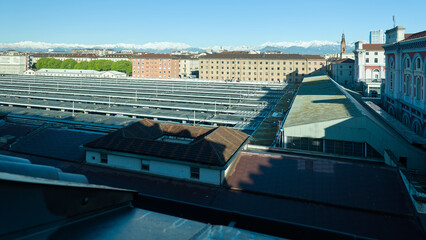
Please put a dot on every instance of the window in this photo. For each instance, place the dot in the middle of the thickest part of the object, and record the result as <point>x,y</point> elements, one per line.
<point>104,158</point>
<point>195,173</point>
<point>407,63</point>
<point>376,60</point>
<point>367,53</point>
<point>376,53</point>
<point>144,165</point>
<point>367,60</point>
<point>418,64</point>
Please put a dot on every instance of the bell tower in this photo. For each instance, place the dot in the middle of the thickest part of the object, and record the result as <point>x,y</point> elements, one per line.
<point>343,45</point>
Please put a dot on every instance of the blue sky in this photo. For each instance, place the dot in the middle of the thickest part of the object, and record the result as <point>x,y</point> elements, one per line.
<point>202,23</point>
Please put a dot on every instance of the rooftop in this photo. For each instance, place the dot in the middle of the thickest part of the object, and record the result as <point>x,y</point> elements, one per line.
<point>373,47</point>
<point>212,146</point>
<point>364,200</point>
<point>155,55</point>
<point>284,56</point>
<point>77,71</point>
<point>318,100</point>
<point>345,60</point>
<point>414,35</point>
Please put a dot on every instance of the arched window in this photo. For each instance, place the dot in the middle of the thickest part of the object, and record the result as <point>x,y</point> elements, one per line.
<point>391,64</point>
<point>407,63</point>
<point>419,88</point>
<point>407,86</point>
<point>406,120</point>
<point>416,127</point>
<point>418,64</point>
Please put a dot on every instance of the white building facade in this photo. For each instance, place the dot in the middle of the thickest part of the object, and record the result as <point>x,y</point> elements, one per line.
<point>188,66</point>
<point>16,65</point>
<point>377,37</point>
<point>405,88</point>
<point>370,70</point>
<point>76,73</point>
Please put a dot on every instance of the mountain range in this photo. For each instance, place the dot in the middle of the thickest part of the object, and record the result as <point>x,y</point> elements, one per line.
<point>299,47</point>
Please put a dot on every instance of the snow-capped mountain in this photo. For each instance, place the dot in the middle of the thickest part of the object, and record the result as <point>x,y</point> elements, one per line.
<point>301,47</point>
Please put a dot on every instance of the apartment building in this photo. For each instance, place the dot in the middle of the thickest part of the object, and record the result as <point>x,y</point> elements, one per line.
<point>369,67</point>
<point>342,71</point>
<point>188,66</point>
<point>150,65</point>
<point>405,88</point>
<point>243,66</point>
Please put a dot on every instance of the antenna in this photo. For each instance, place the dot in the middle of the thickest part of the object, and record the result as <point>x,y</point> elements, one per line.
<point>393,20</point>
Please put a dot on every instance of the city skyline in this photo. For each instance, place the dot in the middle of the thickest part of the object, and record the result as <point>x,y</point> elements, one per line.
<point>201,25</point>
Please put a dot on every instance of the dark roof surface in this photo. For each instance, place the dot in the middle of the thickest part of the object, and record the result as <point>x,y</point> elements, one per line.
<point>212,146</point>
<point>14,130</point>
<point>414,35</point>
<point>345,60</point>
<point>56,143</point>
<point>284,56</point>
<point>354,185</point>
<point>320,214</point>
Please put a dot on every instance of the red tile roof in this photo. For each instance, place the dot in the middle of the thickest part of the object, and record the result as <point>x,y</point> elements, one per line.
<point>414,35</point>
<point>281,56</point>
<point>211,146</point>
<point>155,55</point>
<point>345,60</point>
<point>373,47</point>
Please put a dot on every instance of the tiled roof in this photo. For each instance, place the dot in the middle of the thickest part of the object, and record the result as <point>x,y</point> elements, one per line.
<point>414,35</point>
<point>373,47</point>
<point>66,55</point>
<point>211,146</point>
<point>155,55</point>
<point>238,55</point>
<point>345,60</point>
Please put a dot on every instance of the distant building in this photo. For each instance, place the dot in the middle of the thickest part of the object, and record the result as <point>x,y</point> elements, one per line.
<point>96,51</point>
<point>188,66</point>
<point>343,44</point>
<point>330,57</point>
<point>342,71</point>
<point>76,73</point>
<point>369,67</point>
<point>10,64</point>
<point>116,57</point>
<point>377,37</point>
<point>244,66</point>
<point>181,151</point>
<point>405,87</point>
<point>150,65</point>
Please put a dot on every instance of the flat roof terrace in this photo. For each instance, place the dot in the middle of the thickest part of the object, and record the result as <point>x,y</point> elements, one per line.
<point>318,100</point>
<point>242,106</point>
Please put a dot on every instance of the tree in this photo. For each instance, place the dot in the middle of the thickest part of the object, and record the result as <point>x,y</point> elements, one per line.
<point>54,63</point>
<point>82,65</point>
<point>42,63</point>
<point>122,66</point>
<point>68,64</point>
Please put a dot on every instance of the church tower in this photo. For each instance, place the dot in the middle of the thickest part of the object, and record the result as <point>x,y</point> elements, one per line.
<point>342,45</point>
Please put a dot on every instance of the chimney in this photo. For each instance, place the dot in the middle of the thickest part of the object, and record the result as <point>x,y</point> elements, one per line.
<point>395,34</point>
